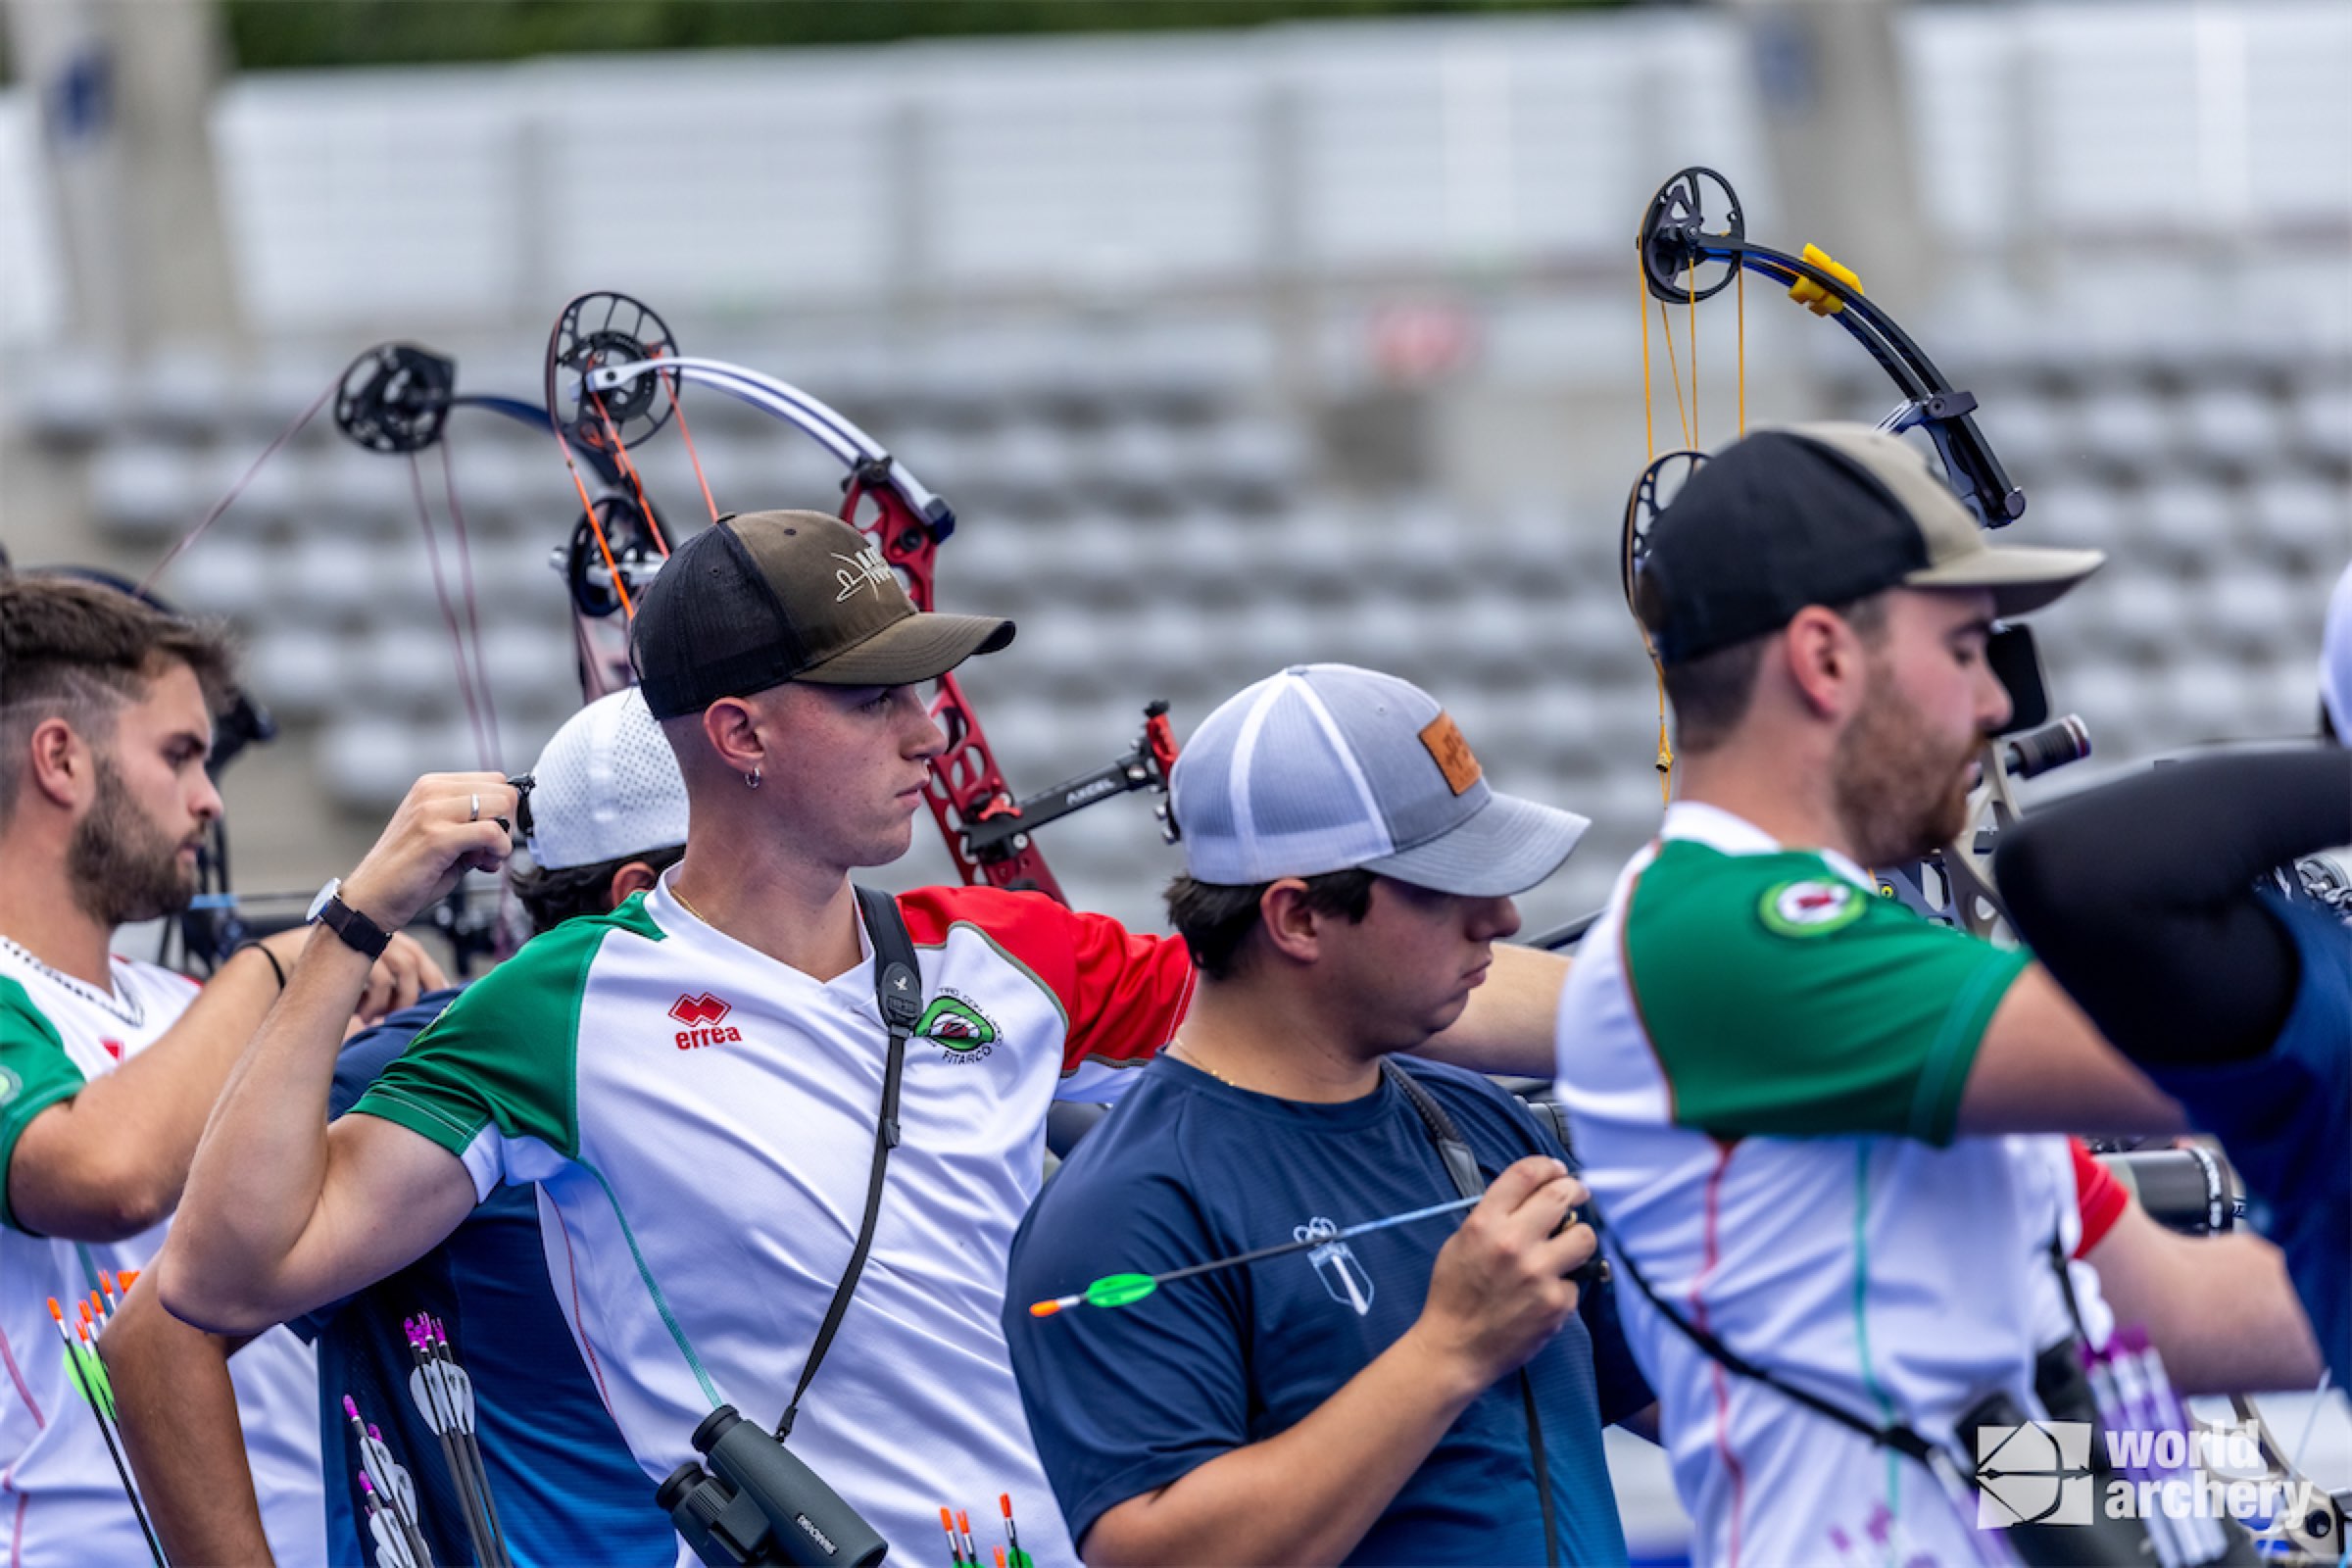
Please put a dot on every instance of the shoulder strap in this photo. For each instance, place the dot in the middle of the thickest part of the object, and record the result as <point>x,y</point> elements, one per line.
<point>1462,1167</point>
<point>1901,1438</point>
<point>898,992</point>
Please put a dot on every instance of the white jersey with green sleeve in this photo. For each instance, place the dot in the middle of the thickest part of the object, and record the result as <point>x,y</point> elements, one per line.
<point>700,1121</point>
<point>1762,1060</point>
<point>61,1501</point>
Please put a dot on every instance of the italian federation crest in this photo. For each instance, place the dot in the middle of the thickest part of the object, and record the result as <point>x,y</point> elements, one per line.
<point>1343,1277</point>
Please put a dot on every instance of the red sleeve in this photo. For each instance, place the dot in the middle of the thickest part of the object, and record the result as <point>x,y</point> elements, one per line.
<point>1121,993</point>
<point>2100,1197</point>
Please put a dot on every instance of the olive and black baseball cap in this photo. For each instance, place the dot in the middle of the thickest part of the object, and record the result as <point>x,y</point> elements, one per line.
<point>767,597</point>
<point>1822,514</point>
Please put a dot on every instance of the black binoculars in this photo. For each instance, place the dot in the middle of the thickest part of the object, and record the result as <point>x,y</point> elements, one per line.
<point>757,1504</point>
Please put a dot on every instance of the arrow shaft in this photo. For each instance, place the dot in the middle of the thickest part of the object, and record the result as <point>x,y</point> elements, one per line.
<point>1342,1234</point>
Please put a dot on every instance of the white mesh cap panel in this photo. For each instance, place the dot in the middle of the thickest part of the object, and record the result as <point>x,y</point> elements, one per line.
<point>606,786</point>
<point>1295,799</point>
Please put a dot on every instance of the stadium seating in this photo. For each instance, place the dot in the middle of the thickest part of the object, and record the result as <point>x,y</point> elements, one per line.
<point>1105,295</point>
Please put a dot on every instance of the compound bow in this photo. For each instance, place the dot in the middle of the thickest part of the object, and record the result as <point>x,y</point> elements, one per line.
<point>1684,257</point>
<point>613,372</point>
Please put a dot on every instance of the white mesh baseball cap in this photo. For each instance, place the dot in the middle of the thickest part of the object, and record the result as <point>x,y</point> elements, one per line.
<point>1329,768</point>
<point>605,787</point>
<point>2336,659</point>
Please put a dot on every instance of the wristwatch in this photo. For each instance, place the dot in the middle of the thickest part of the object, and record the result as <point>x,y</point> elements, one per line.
<point>361,934</point>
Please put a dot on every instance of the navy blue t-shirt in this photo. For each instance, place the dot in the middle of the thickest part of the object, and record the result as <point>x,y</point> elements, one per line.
<point>566,1488</point>
<point>1125,1400</point>
<point>2286,1120</point>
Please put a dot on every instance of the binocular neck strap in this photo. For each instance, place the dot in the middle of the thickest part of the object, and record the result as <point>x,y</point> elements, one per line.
<point>1461,1169</point>
<point>899,990</point>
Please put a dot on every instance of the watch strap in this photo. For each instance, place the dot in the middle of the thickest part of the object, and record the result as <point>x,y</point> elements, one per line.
<point>359,933</point>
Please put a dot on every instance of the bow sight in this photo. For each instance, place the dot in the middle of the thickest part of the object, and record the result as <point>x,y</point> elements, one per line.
<point>613,375</point>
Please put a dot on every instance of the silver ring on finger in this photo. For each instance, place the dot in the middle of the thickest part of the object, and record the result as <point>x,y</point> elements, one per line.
<point>475,814</point>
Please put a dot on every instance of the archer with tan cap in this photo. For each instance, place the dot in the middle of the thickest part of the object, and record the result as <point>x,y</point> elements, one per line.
<point>1789,1092</point>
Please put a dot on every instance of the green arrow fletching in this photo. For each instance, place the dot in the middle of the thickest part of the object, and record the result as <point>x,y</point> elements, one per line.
<point>1120,1290</point>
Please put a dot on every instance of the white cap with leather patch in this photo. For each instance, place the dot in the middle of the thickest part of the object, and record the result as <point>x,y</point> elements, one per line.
<point>1330,768</point>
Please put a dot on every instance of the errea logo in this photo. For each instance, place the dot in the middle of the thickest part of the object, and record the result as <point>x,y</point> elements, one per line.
<point>705,1018</point>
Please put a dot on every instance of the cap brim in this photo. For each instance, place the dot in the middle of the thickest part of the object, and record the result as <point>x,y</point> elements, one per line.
<point>918,648</point>
<point>1508,847</point>
<point>2021,578</point>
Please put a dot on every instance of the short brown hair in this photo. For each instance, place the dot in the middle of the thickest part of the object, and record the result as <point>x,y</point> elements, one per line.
<point>565,892</point>
<point>79,651</point>
<point>1711,693</point>
<point>1215,920</point>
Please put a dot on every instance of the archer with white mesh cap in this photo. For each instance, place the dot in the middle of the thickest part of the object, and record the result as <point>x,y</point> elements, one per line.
<point>1373,1395</point>
<point>605,787</point>
<point>606,815</point>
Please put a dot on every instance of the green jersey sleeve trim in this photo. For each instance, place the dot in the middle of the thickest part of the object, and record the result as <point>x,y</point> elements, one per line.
<point>35,1073</point>
<point>1782,1000</point>
<point>506,1050</point>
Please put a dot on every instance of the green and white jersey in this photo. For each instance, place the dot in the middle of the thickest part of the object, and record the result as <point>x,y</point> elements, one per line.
<point>61,1502</point>
<point>700,1121</point>
<point>1763,1062</point>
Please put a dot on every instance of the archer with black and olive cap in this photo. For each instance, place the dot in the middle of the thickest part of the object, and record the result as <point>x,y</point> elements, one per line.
<point>765,596</point>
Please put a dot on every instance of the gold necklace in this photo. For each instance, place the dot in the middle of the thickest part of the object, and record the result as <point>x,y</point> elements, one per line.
<point>683,905</point>
<point>1194,1057</point>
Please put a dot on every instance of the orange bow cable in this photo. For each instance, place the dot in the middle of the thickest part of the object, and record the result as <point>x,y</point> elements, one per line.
<point>1740,307</point>
<point>677,411</point>
<point>620,457</point>
<point>1682,405</point>
<point>596,529</point>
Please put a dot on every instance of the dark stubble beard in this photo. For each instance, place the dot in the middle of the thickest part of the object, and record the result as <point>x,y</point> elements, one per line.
<point>1900,790</point>
<point>119,864</point>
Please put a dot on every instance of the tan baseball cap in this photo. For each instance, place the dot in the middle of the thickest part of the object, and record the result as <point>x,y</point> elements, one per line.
<point>767,597</point>
<point>1823,515</point>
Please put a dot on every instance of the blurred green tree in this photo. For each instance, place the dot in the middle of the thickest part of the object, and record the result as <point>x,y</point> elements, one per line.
<point>291,34</point>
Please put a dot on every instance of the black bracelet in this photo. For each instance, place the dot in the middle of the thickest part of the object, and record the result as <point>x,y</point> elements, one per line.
<point>276,968</point>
